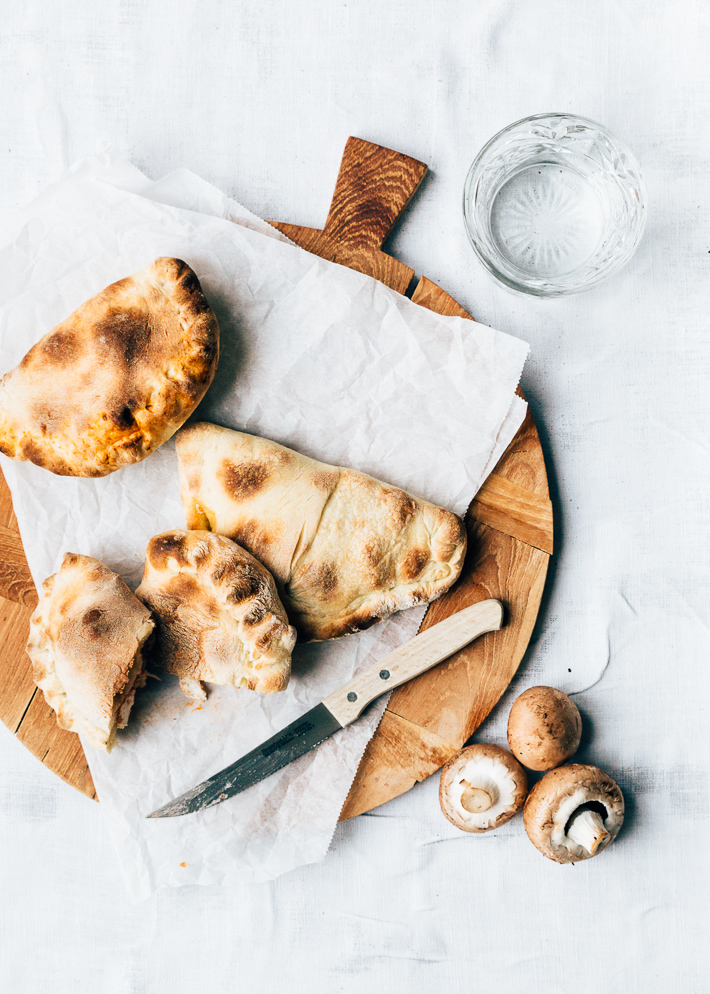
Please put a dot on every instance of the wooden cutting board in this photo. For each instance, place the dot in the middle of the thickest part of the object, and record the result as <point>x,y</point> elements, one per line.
<point>509,527</point>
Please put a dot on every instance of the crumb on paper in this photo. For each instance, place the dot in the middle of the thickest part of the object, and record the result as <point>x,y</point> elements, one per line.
<point>183,864</point>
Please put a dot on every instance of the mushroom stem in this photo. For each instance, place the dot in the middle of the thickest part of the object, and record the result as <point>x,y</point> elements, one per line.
<point>587,830</point>
<point>476,800</point>
<point>479,797</point>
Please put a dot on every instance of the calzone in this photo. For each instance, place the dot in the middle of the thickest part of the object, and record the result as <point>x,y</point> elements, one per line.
<point>345,549</point>
<point>218,615</point>
<point>116,379</point>
<point>86,645</point>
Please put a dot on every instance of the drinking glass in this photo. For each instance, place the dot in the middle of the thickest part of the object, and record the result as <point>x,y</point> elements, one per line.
<point>554,204</point>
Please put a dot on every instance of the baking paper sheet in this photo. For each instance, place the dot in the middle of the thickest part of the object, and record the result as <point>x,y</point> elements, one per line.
<point>313,355</point>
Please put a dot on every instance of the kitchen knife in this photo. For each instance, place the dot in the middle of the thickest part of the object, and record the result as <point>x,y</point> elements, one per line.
<point>342,707</point>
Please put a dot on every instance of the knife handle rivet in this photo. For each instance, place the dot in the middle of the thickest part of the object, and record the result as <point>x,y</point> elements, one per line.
<point>384,674</point>
<point>352,696</point>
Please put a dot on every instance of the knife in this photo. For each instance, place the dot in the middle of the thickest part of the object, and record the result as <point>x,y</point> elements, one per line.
<point>341,708</point>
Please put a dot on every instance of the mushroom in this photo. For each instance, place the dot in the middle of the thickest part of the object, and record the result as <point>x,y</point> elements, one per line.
<point>482,787</point>
<point>544,728</point>
<point>573,813</point>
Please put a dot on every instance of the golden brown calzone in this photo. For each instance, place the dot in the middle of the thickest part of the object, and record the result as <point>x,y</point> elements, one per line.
<point>345,549</point>
<point>217,612</point>
<point>106,387</point>
<point>86,641</point>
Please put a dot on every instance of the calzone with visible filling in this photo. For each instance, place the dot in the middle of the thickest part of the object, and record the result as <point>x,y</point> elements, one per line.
<point>217,612</point>
<point>116,379</point>
<point>345,549</point>
<point>86,640</point>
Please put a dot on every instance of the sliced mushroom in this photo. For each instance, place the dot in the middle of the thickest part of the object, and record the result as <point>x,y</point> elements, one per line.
<point>544,728</point>
<point>482,787</point>
<point>573,813</point>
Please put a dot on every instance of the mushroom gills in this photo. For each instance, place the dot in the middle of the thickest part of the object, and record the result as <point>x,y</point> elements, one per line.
<point>586,828</point>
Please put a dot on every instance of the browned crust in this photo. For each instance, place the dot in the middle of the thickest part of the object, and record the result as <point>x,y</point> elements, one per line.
<point>544,728</point>
<point>218,614</point>
<point>346,550</point>
<point>451,771</point>
<point>85,642</point>
<point>557,785</point>
<point>116,379</point>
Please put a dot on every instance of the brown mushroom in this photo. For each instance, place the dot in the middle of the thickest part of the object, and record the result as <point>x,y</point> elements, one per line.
<point>482,787</point>
<point>573,813</point>
<point>544,728</point>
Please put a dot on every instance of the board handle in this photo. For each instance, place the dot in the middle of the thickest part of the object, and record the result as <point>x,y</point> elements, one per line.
<point>414,658</point>
<point>374,186</point>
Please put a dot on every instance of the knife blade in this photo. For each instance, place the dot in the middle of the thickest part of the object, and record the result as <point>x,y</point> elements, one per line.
<point>340,708</point>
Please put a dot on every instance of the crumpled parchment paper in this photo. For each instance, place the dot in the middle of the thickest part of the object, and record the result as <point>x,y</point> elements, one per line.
<point>313,355</point>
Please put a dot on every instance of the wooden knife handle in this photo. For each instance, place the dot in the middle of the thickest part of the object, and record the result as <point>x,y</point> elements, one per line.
<point>413,658</point>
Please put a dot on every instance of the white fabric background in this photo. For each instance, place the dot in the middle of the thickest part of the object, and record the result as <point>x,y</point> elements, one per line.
<point>259,99</point>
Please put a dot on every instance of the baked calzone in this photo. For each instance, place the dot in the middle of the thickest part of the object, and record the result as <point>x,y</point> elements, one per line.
<point>217,612</point>
<point>86,640</point>
<point>345,549</point>
<point>106,387</point>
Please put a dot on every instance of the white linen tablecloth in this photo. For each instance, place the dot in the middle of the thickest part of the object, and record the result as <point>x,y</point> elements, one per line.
<point>259,99</point>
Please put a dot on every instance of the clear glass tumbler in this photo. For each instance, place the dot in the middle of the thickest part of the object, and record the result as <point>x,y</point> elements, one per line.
<point>554,204</point>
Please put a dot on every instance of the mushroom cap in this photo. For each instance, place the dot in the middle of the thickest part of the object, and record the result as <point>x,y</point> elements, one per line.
<point>554,800</point>
<point>492,769</point>
<point>544,728</point>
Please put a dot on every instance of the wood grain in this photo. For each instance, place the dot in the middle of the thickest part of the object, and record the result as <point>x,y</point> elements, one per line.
<point>509,525</point>
<point>373,188</point>
<point>58,749</point>
<point>18,688</point>
<point>15,578</point>
<point>401,754</point>
<point>516,511</point>
<point>431,296</point>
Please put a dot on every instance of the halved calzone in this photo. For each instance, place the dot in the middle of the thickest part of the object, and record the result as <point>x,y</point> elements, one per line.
<point>345,549</point>
<point>218,615</point>
<point>86,641</point>
<point>106,387</point>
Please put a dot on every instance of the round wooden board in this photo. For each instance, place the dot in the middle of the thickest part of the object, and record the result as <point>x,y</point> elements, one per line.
<point>509,526</point>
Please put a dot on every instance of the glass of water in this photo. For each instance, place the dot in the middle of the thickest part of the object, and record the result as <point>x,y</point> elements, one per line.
<point>554,204</point>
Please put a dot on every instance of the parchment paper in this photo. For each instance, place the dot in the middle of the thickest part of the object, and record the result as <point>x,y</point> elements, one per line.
<point>313,355</point>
